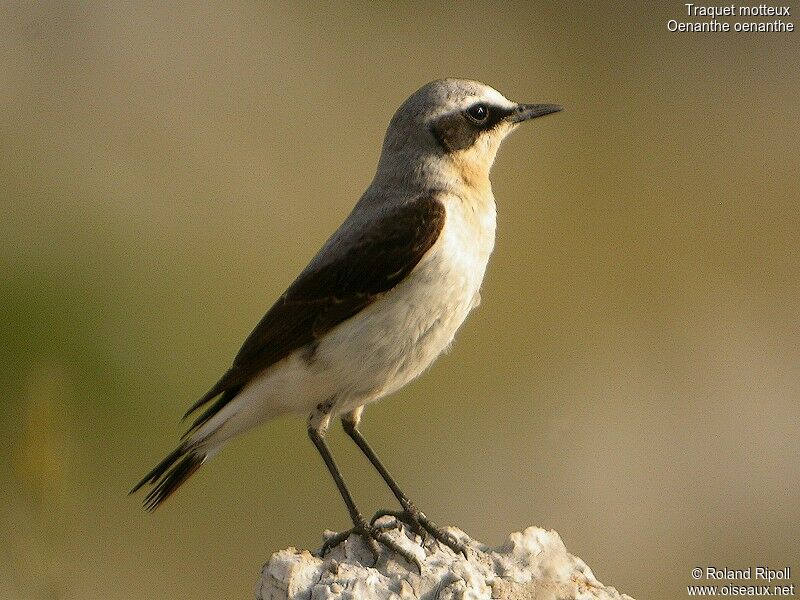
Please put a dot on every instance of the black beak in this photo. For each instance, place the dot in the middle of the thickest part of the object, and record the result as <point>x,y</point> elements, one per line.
<point>526,112</point>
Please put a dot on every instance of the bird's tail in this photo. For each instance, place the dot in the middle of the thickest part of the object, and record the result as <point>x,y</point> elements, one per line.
<point>169,474</point>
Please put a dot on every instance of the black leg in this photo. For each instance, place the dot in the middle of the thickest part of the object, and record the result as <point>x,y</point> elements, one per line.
<point>411,514</point>
<point>369,533</point>
<point>322,448</point>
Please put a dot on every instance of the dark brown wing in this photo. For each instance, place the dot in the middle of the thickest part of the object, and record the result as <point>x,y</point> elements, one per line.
<point>376,260</point>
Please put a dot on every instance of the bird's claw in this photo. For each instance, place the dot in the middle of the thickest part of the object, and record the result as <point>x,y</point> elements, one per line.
<point>373,537</point>
<point>400,516</point>
<point>423,526</point>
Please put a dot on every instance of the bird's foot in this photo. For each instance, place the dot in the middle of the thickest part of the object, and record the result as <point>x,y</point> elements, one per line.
<point>373,537</point>
<point>422,526</point>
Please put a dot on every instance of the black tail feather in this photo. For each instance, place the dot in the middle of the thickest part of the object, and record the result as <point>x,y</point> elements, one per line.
<point>215,391</point>
<point>220,402</point>
<point>160,468</point>
<point>169,474</point>
<point>172,480</point>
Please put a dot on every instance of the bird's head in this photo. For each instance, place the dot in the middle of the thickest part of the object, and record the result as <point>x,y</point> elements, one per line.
<point>453,127</point>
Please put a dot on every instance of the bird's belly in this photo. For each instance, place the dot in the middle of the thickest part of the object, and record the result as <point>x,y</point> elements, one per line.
<point>393,341</point>
<point>396,338</point>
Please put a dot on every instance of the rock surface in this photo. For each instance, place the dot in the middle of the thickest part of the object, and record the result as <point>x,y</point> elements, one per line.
<point>531,565</point>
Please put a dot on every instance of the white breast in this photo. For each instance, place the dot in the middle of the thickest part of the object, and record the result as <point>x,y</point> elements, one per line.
<point>398,337</point>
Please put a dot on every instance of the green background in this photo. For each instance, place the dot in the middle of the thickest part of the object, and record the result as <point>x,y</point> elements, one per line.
<point>631,378</point>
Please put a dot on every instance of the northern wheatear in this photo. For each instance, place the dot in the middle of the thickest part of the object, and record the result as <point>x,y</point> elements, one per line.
<point>379,302</point>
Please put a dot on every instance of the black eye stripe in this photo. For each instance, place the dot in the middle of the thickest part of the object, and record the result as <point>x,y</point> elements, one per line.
<point>486,116</point>
<point>458,130</point>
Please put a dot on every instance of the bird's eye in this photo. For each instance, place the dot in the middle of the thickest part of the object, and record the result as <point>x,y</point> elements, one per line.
<point>478,113</point>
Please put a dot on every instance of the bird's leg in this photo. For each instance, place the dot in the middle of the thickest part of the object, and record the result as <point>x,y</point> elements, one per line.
<point>410,513</point>
<point>371,535</point>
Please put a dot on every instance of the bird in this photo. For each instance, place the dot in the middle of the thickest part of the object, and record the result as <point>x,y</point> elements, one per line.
<point>379,302</point>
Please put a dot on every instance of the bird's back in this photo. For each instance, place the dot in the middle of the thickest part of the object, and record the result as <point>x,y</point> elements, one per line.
<point>395,340</point>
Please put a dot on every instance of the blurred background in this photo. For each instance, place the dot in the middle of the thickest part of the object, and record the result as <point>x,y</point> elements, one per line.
<point>631,378</point>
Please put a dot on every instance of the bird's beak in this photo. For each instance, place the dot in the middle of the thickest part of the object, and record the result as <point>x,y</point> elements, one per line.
<point>526,112</point>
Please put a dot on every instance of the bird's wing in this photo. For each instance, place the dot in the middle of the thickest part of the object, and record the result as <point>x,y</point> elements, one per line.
<point>329,292</point>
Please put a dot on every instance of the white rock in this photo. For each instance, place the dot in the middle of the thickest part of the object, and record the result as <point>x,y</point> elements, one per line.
<point>530,565</point>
